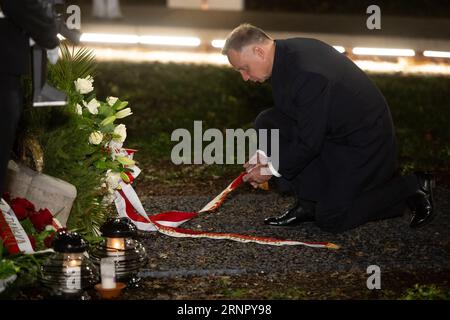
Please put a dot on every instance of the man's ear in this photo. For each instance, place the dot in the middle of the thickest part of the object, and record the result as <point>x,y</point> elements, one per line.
<point>259,51</point>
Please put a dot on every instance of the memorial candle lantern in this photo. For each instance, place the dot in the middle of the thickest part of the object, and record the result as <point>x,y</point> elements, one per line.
<point>120,245</point>
<point>69,271</point>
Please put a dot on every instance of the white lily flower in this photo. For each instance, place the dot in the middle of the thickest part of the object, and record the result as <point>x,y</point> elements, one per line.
<point>115,148</point>
<point>92,106</point>
<point>120,130</point>
<point>112,180</point>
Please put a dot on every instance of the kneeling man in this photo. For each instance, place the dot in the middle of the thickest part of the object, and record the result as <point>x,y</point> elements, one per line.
<point>337,146</point>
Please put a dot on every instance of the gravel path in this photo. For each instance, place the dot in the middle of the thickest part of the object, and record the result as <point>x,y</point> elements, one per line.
<point>390,244</point>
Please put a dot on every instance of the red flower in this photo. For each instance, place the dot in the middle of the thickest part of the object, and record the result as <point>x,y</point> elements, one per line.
<point>41,219</point>
<point>22,208</point>
<point>25,203</point>
<point>20,211</point>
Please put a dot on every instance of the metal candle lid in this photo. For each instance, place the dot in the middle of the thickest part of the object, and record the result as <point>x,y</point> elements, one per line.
<point>69,242</point>
<point>118,228</point>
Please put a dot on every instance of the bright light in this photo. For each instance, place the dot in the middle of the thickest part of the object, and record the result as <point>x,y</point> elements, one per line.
<point>60,36</point>
<point>341,49</point>
<point>436,54</point>
<point>403,66</point>
<point>384,52</point>
<point>138,55</point>
<point>218,43</point>
<point>109,38</point>
<point>135,39</point>
<point>170,41</point>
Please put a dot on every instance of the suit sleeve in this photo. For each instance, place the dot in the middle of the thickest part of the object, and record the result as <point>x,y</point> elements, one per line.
<point>30,16</point>
<point>310,105</point>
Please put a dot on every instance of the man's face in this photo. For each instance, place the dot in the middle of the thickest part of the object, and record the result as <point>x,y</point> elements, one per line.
<point>251,62</point>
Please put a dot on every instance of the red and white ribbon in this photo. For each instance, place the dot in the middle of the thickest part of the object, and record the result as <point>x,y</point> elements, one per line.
<point>128,205</point>
<point>13,234</point>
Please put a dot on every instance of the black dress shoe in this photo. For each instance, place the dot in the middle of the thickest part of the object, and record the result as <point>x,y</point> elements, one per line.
<point>421,203</point>
<point>296,215</point>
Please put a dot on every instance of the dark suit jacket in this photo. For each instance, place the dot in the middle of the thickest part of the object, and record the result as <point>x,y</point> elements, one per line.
<point>333,102</point>
<point>24,19</point>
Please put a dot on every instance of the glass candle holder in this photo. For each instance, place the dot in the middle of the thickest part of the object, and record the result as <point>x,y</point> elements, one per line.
<point>128,254</point>
<point>69,272</point>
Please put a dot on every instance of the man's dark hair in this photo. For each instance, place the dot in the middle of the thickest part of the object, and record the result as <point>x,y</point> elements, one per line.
<point>242,36</point>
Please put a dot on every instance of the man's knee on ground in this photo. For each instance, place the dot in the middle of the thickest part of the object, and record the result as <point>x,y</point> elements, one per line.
<point>334,220</point>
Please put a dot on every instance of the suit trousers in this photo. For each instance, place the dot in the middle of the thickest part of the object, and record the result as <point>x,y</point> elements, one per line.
<point>351,181</point>
<point>11,103</point>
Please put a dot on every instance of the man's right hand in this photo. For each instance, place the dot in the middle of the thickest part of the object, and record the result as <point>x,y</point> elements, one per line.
<point>259,157</point>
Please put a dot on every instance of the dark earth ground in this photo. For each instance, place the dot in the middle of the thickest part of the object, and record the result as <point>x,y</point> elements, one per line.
<point>207,269</point>
<point>183,268</point>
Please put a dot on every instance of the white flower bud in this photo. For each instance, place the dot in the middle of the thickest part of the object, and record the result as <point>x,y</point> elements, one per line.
<point>123,113</point>
<point>111,100</point>
<point>78,109</point>
<point>95,137</point>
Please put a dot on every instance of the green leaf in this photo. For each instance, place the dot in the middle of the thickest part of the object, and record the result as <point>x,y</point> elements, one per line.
<point>28,226</point>
<point>7,268</point>
<point>105,110</point>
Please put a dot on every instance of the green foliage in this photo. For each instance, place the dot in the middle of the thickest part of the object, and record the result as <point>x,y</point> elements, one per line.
<point>76,138</point>
<point>28,269</point>
<point>68,155</point>
<point>71,66</point>
<point>426,292</point>
<point>7,268</point>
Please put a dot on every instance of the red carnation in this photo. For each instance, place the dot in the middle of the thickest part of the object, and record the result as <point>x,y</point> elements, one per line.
<point>22,208</point>
<point>25,203</point>
<point>41,219</point>
<point>20,211</point>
